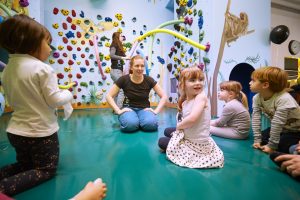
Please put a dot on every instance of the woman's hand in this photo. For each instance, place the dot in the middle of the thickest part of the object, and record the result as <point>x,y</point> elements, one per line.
<point>150,109</point>
<point>123,110</point>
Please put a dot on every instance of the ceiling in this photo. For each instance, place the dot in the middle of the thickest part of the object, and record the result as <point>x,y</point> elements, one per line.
<point>288,5</point>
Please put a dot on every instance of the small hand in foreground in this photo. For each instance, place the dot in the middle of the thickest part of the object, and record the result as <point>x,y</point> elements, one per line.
<point>92,191</point>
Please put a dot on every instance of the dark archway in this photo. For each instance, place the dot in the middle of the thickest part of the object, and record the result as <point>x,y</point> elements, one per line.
<point>242,73</point>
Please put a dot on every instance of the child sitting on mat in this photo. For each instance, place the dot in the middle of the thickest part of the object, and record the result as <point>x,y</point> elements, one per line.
<point>234,122</point>
<point>191,145</point>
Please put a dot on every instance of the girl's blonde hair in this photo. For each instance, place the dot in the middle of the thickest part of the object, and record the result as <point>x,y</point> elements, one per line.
<point>236,88</point>
<point>276,77</point>
<point>192,72</point>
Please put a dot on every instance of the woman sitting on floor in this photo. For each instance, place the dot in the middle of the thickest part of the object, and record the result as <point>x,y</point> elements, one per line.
<point>136,112</point>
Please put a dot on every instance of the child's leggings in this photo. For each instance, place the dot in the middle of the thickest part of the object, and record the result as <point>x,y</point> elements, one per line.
<point>164,141</point>
<point>227,132</point>
<point>37,160</point>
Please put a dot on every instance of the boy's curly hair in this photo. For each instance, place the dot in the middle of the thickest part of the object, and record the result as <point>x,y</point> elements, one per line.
<point>276,77</point>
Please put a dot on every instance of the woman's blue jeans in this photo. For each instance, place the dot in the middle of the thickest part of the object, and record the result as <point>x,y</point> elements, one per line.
<point>138,119</point>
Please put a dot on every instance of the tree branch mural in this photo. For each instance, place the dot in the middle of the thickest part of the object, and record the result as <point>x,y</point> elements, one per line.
<point>234,27</point>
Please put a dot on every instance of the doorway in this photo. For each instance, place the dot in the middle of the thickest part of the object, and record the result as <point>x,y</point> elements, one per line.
<point>242,73</point>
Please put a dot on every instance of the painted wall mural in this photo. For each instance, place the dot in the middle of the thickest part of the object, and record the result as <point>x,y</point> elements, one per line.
<point>10,7</point>
<point>234,28</point>
<point>81,40</point>
<point>209,34</point>
<point>81,58</point>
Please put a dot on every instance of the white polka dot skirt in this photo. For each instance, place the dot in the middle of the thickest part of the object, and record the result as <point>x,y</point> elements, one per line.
<point>194,154</point>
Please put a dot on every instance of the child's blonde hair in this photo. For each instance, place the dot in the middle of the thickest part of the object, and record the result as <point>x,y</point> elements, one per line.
<point>192,72</point>
<point>276,77</point>
<point>236,88</point>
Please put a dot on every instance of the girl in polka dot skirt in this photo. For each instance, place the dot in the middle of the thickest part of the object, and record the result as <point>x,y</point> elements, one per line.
<point>190,145</point>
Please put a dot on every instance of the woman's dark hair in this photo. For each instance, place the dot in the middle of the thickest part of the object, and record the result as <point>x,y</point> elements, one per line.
<point>116,42</point>
<point>22,34</point>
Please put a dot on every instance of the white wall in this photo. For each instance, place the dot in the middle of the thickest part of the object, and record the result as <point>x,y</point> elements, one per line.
<point>36,10</point>
<point>291,20</point>
<point>253,44</point>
